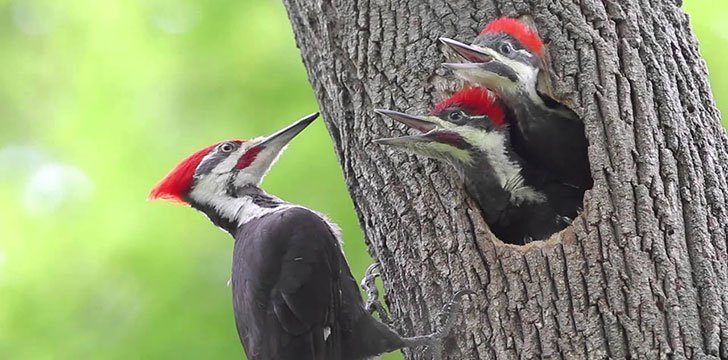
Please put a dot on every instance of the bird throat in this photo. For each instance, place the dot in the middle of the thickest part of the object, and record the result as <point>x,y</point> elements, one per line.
<point>239,206</point>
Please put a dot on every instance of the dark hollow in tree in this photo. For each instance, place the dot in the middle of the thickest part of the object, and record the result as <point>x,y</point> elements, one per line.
<point>519,202</point>
<point>643,271</point>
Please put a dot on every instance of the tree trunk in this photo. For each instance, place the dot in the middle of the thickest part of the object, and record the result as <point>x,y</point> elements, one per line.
<point>643,271</point>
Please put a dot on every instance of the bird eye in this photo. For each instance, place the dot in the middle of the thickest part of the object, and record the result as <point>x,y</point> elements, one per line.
<point>456,116</point>
<point>226,147</point>
<point>506,48</point>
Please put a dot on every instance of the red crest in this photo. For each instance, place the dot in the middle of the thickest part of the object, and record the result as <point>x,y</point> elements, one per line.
<point>475,101</point>
<point>175,186</point>
<point>518,30</point>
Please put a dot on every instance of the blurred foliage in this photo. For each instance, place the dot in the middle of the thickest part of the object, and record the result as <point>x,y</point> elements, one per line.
<point>709,19</point>
<point>98,100</point>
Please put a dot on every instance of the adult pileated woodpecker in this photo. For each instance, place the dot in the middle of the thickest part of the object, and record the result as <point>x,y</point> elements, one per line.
<point>294,296</point>
<point>508,58</point>
<point>468,130</point>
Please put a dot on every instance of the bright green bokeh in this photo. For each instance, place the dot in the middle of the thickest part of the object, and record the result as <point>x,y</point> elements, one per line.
<point>710,22</point>
<point>98,99</point>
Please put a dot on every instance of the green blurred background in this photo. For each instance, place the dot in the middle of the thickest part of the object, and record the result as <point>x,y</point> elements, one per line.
<point>98,100</point>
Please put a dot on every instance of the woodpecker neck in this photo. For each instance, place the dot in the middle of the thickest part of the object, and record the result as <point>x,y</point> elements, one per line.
<point>497,180</point>
<point>529,106</point>
<point>484,185</point>
<point>230,210</point>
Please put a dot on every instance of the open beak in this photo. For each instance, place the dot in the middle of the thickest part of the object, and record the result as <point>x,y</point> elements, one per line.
<point>470,53</point>
<point>484,66</point>
<point>423,124</point>
<point>437,139</point>
<point>432,128</point>
<point>283,136</point>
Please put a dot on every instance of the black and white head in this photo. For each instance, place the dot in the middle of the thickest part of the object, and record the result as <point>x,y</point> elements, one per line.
<point>506,57</point>
<point>220,170</point>
<point>460,130</point>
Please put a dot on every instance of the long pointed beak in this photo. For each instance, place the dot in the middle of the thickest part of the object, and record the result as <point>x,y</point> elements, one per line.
<point>255,162</point>
<point>432,127</point>
<point>403,141</point>
<point>420,123</point>
<point>493,75</point>
<point>455,67</point>
<point>483,66</point>
<point>283,136</point>
<point>468,52</point>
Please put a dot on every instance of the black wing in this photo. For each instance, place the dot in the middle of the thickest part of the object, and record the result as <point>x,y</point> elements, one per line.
<point>286,286</point>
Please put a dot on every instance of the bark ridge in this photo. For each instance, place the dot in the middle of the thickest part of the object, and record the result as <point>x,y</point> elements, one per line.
<point>643,272</point>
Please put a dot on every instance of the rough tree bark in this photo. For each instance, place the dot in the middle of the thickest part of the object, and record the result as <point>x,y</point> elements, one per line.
<point>642,273</point>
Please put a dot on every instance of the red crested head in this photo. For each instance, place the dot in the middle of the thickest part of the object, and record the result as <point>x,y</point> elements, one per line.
<point>178,183</point>
<point>475,101</point>
<point>519,31</point>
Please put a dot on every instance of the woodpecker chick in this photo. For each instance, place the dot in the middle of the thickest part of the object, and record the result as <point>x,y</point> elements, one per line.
<point>294,296</point>
<point>468,131</point>
<point>508,58</point>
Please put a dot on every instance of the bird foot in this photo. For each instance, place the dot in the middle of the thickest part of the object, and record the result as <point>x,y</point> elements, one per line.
<point>369,285</point>
<point>446,320</point>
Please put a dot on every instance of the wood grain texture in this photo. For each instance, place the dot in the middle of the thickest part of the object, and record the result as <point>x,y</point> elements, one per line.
<point>642,273</point>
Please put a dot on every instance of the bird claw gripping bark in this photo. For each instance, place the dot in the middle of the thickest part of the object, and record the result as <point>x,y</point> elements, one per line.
<point>446,320</point>
<point>369,285</point>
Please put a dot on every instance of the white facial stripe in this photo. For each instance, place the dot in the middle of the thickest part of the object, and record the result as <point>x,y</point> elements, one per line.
<point>493,144</point>
<point>437,149</point>
<point>494,82</point>
<point>497,83</point>
<point>519,67</point>
<point>507,171</point>
<point>211,191</point>
<point>209,186</point>
<point>231,160</point>
<point>255,172</point>
<point>229,163</point>
<point>527,75</point>
<point>525,52</point>
<point>243,209</point>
